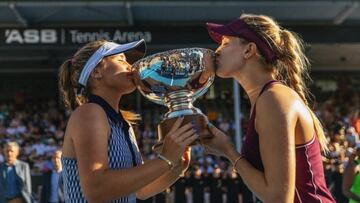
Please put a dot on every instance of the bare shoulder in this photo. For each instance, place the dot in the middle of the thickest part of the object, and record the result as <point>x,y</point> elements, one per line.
<point>87,118</point>
<point>278,96</point>
<point>87,128</point>
<point>278,99</point>
<point>87,110</point>
<point>87,113</point>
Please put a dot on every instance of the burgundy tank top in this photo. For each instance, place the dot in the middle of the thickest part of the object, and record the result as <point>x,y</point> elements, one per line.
<point>310,185</point>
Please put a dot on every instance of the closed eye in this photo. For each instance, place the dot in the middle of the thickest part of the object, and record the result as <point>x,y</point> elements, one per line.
<point>123,62</point>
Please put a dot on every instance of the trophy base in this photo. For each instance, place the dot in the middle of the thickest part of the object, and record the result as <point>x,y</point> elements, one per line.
<point>199,121</point>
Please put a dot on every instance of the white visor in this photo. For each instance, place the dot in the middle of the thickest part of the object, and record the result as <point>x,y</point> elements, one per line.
<point>108,49</point>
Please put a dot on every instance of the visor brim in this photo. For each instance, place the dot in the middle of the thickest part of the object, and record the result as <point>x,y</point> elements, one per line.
<point>217,31</point>
<point>133,51</point>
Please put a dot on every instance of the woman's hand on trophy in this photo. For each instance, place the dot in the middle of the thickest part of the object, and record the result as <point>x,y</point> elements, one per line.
<point>177,140</point>
<point>219,144</point>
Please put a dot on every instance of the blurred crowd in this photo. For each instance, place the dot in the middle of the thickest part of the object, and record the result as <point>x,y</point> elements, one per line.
<point>38,128</point>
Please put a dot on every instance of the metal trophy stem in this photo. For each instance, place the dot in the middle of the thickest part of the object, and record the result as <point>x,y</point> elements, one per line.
<point>178,100</point>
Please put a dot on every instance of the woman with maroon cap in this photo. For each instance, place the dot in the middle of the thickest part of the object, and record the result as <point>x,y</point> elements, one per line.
<point>281,156</point>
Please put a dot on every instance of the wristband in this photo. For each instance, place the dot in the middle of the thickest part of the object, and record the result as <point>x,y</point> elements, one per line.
<point>236,161</point>
<point>168,162</point>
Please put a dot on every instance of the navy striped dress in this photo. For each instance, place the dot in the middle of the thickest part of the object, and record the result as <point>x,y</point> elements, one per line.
<point>123,153</point>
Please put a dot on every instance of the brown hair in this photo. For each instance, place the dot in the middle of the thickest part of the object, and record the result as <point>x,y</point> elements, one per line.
<point>291,65</point>
<point>69,74</point>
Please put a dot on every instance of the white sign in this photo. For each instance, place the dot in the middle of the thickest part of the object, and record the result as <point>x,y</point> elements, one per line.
<point>70,36</point>
<point>31,36</point>
<point>80,37</point>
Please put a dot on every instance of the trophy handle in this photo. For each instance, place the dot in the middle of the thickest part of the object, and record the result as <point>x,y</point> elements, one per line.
<point>199,120</point>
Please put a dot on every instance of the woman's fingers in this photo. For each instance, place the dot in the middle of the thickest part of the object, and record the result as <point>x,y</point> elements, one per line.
<point>215,131</point>
<point>190,139</point>
<point>179,135</point>
<point>210,144</point>
<point>176,125</point>
<point>181,130</point>
<point>209,150</point>
<point>182,137</point>
<point>206,143</point>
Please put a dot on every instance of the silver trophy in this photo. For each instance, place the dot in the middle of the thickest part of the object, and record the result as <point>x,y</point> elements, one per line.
<point>176,78</point>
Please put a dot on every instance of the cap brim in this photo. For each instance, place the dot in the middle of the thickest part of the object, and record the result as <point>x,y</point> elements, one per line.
<point>136,53</point>
<point>239,28</point>
<point>133,51</point>
<point>217,31</point>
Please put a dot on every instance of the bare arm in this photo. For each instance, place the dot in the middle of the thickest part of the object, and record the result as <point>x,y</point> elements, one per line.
<point>276,131</point>
<point>166,180</point>
<point>89,131</point>
<point>159,185</point>
<point>348,178</point>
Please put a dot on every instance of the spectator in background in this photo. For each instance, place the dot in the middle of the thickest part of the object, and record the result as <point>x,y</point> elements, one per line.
<point>352,136</point>
<point>2,159</point>
<point>351,180</point>
<point>52,186</point>
<point>15,180</point>
<point>197,183</point>
<point>216,186</point>
<point>233,185</point>
<point>179,190</point>
<point>355,120</point>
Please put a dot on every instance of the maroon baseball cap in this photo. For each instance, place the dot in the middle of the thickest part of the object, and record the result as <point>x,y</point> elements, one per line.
<point>238,28</point>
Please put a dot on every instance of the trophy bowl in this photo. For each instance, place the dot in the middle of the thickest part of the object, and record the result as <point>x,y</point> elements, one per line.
<point>175,79</point>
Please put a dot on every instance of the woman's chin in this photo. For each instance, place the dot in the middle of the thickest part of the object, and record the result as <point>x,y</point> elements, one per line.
<point>127,87</point>
<point>128,90</point>
<point>131,88</point>
<point>221,74</point>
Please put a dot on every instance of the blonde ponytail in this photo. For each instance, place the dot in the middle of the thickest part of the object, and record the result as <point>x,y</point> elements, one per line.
<point>291,65</point>
<point>293,60</point>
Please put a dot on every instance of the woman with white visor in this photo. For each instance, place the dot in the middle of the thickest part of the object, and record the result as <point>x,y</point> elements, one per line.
<point>101,160</point>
